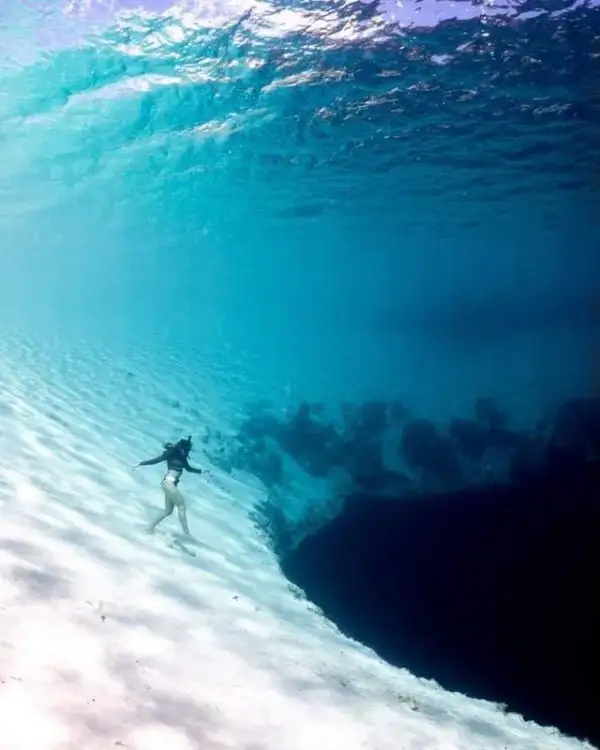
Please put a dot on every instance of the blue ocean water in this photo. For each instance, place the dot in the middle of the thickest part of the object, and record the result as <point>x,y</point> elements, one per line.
<point>300,202</point>
<point>319,202</point>
<point>342,206</point>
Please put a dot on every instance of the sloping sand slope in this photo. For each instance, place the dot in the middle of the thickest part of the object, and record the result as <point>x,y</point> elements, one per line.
<point>112,638</point>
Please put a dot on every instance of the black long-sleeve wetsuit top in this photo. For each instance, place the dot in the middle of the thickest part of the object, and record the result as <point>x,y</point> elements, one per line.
<point>176,462</point>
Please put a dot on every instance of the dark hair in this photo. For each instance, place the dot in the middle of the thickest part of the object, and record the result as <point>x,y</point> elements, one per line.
<point>183,444</point>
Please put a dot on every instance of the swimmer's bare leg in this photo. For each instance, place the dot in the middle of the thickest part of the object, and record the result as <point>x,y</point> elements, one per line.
<point>183,519</point>
<point>169,506</point>
<point>176,498</point>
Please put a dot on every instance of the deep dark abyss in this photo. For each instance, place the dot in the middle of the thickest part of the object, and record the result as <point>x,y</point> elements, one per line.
<point>492,592</point>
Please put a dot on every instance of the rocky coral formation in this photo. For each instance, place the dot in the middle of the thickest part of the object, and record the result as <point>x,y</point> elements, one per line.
<point>470,450</point>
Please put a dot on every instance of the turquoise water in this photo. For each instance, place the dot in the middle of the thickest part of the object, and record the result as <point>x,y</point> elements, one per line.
<point>227,204</point>
<point>314,203</point>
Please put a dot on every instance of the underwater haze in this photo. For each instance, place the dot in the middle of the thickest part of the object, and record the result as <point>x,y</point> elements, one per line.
<point>326,204</point>
<point>206,207</point>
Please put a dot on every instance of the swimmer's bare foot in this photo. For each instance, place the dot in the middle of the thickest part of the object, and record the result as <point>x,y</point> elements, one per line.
<point>186,537</point>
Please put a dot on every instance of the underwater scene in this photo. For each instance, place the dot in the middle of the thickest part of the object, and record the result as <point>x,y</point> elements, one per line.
<point>340,260</point>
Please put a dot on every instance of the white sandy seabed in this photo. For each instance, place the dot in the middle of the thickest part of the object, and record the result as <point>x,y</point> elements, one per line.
<point>110,638</point>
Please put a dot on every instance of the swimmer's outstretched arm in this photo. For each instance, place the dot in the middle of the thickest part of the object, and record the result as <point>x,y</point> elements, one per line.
<point>193,469</point>
<point>152,461</point>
